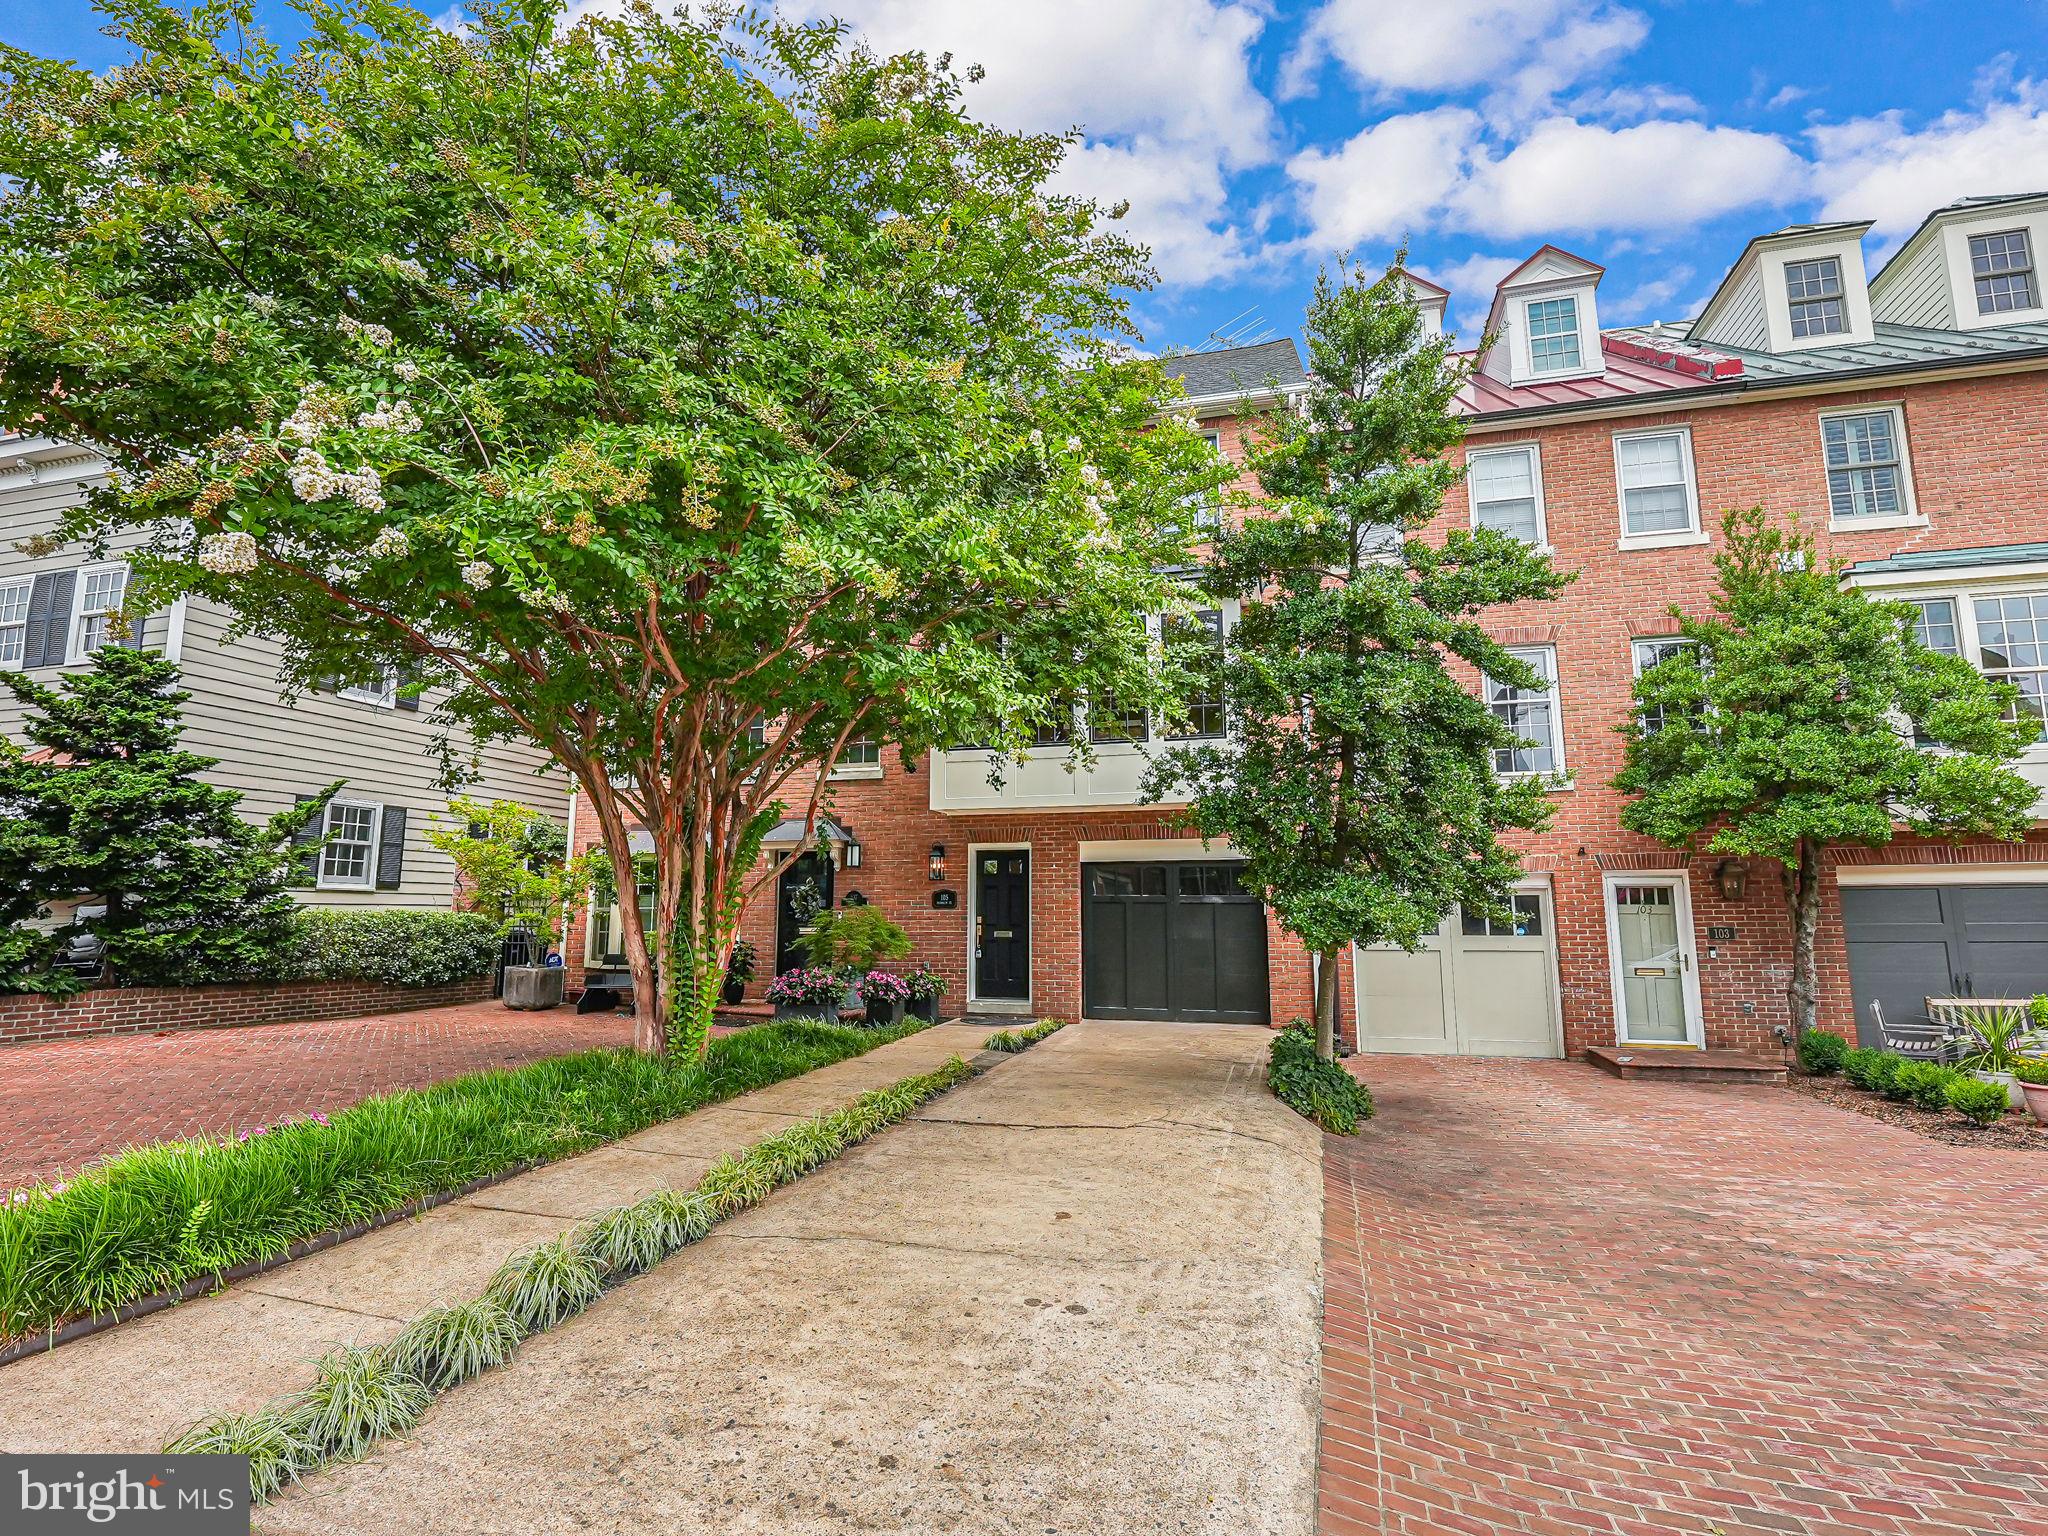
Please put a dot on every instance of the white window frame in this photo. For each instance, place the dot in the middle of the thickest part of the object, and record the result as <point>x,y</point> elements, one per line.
<point>2032,270</point>
<point>1692,533</point>
<point>382,696</point>
<point>596,958</point>
<point>843,769</point>
<point>1637,666</point>
<point>1970,635</point>
<point>17,627</point>
<point>75,652</point>
<point>1839,298</point>
<point>368,882</point>
<point>1908,515</point>
<point>1578,335</point>
<point>1535,456</point>
<point>1558,775</point>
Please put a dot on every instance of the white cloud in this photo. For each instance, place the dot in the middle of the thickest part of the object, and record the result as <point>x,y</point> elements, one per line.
<point>1388,181</point>
<point>1879,168</point>
<point>1472,282</point>
<point>1162,88</point>
<point>1567,175</point>
<point>1525,50</point>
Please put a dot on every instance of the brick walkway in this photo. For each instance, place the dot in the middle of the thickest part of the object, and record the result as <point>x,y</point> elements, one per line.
<point>1558,1303</point>
<point>64,1103</point>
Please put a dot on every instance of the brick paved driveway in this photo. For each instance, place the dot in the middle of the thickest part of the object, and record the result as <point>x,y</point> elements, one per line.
<point>65,1102</point>
<point>1559,1303</point>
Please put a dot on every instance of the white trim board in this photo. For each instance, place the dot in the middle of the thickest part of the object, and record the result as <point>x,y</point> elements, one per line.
<point>1942,874</point>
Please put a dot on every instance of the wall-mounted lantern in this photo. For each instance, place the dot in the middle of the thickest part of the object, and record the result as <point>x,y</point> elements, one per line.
<point>851,859</point>
<point>938,864</point>
<point>1732,876</point>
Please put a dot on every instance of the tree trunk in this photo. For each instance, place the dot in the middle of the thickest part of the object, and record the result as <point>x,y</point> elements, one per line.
<point>1802,891</point>
<point>1326,1005</point>
<point>650,1008</point>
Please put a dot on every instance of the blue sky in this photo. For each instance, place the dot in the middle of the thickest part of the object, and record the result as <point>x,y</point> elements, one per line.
<point>1255,137</point>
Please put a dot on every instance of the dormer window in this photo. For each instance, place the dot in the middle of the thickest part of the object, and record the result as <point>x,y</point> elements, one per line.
<point>2002,267</point>
<point>1554,335</point>
<point>1814,289</point>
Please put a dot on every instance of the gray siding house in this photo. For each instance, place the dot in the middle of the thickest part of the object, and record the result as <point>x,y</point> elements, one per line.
<point>55,611</point>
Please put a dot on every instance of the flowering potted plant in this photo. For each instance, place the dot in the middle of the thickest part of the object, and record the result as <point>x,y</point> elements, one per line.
<point>2032,1073</point>
<point>812,992</point>
<point>885,994</point>
<point>926,987</point>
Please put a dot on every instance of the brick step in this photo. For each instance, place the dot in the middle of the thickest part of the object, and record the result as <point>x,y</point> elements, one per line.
<point>1681,1066</point>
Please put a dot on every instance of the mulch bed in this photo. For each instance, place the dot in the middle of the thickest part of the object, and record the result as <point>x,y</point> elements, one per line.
<point>2015,1130</point>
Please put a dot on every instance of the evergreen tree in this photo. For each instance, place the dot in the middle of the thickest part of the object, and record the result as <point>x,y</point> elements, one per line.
<point>1358,778</point>
<point>112,812</point>
<point>1813,717</point>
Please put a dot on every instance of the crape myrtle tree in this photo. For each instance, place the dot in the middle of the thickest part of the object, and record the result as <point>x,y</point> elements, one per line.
<point>1358,775</point>
<point>107,809</point>
<point>686,395</point>
<point>1803,715</point>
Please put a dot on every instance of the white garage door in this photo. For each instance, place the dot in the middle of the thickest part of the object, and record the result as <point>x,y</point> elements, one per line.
<point>1476,988</point>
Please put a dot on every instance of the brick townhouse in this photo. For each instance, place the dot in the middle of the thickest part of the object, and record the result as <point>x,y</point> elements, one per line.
<point>1902,416</point>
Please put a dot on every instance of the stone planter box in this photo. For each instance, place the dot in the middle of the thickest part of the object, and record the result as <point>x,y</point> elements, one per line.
<point>534,986</point>
<point>828,1012</point>
<point>885,1015</point>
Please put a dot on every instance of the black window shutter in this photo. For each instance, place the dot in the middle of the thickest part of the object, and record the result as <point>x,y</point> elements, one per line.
<point>308,837</point>
<point>391,849</point>
<point>48,635</point>
<point>136,621</point>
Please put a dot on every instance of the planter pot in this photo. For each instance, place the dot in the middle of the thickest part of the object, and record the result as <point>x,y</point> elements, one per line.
<point>924,1008</point>
<point>825,1012</point>
<point>734,993</point>
<point>885,1015</point>
<point>534,986</point>
<point>2037,1100</point>
<point>2013,1097</point>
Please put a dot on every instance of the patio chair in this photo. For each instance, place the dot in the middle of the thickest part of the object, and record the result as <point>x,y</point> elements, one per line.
<point>1923,1039</point>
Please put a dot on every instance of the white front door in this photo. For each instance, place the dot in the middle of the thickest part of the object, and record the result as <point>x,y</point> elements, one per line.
<point>1649,933</point>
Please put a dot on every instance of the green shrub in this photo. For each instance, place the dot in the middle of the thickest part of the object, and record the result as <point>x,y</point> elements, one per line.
<point>150,1219</point>
<point>1321,1090</point>
<point>1858,1064</point>
<point>1010,1041</point>
<point>1821,1053</point>
<point>1884,1072</point>
<point>1979,1102</point>
<point>357,1398</point>
<point>544,1284</point>
<point>406,949</point>
<point>273,1438</point>
<point>445,1346</point>
<point>1923,1083</point>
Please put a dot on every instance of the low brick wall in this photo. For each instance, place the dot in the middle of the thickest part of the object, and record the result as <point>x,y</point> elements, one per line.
<point>144,1010</point>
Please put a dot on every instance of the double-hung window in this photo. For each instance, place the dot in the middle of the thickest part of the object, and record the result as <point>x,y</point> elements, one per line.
<point>860,758</point>
<point>1865,455</point>
<point>607,942</point>
<point>1646,654</point>
<point>383,691</point>
<point>1204,706</point>
<point>349,861</point>
<point>14,620</point>
<point>1935,625</point>
<point>1553,335</point>
<point>1205,512</point>
<point>1659,496</point>
<point>2012,647</point>
<point>2002,268</point>
<point>1814,291</point>
<point>1109,720</point>
<point>100,590</point>
<point>1506,487</point>
<point>1532,714</point>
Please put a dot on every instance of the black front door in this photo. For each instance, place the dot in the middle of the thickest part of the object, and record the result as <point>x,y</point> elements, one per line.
<point>1172,941</point>
<point>812,871</point>
<point>1002,925</point>
<point>1908,943</point>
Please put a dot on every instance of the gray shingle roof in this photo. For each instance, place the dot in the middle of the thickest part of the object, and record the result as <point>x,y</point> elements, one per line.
<point>1238,370</point>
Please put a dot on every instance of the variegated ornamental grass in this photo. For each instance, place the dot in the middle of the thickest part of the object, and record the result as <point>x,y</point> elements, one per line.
<point>363,1394</point>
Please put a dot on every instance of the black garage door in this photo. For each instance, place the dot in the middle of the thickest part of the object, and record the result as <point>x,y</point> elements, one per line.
<point>1908,943</point>
<point>1172,941</point>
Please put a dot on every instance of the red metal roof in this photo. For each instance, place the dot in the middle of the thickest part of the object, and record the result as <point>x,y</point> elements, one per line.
<point>1636,364</point>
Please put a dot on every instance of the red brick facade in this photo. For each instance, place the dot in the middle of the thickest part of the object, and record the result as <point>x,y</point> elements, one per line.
<point>145,1010</point>
<point>1978,455</point>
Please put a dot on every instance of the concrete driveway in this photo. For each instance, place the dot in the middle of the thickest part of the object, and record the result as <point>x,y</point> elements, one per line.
<point>1080,1294</point>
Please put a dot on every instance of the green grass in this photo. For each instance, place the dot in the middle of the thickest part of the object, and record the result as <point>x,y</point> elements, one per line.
<point>1321,1090</point>
<point>154,1218</point>
<point>1013,1040</point>
<point>363,1394</point>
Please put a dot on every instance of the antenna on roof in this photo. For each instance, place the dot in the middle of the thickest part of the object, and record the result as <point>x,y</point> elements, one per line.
<point>1247,328</point>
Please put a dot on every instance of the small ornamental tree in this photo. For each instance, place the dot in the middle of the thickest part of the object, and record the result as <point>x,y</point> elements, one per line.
<point>1357,779</point>
<point>687,395</point>
<point>1803,715</point>
<point>513,864</point>
<point>110,812</point>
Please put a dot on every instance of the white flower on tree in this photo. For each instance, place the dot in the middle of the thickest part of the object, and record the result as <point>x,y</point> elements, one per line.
<point>477,574</point>
<point>227,554</point>
<point>406,369</point>
<point>390,544</point>
<point>375,335</point>
<point>391,418</point>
